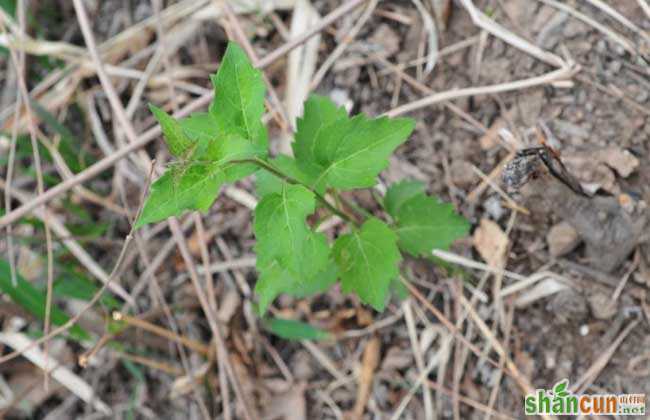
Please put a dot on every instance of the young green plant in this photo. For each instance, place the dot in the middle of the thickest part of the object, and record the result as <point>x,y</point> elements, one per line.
<point>333,153</point>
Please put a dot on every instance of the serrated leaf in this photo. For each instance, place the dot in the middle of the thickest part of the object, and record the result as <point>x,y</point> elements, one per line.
<point>181,188</point>
<point>206,143</point>
<point>290,256</point>
<point>280,226</point>
<point>352,154</point>
<point>177,140</point>
<point>239,96</point>
<point>368,260</point>
<point>401,192</point>
<point>205,130</point>
<point>274,280</point>
<point>319,113</point>
<point>33,300</point>
<point>423,223</point>
<point>194,185</point>
<point>317,283</point>
<point>201,127</point>
<point>295,330</point>
<point>342,152</point>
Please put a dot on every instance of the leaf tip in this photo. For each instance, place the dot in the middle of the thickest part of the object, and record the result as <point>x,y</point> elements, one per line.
<point>159,114</point>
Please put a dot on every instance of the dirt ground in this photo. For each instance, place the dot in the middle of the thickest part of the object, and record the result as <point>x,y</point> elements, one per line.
<point>556,284</point>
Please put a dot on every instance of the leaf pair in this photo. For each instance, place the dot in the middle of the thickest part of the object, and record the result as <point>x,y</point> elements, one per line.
<point>207,145</point>
<point>293,259</point>
<point>332,151</point>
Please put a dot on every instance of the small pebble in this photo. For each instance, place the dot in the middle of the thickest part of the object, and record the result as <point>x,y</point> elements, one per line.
<point>615,66</point>
<point>494,208</point>
<point>461,173</point>
<point>550,359</point>
<point>562,239</point>
<point>618,49</point>
<point>602,306</point>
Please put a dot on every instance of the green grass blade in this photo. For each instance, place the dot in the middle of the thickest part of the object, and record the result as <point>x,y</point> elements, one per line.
<point>33,300</point>
<point>295,330</point>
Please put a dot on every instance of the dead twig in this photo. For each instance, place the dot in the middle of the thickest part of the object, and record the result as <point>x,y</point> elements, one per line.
<point>564,73</point>
<point>619,39</point>
<point>369,364</point>
<point>161,332</point>
<point>343,44</point>
<point>419,358</point>
<point>481,20</point>
<point>327,20</point>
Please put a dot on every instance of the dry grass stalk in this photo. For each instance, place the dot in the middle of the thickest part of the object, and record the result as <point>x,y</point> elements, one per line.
<point>369,364</point>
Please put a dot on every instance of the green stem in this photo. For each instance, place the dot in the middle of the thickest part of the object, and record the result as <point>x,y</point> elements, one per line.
<point>355,207</point>
<point>275,171</point>
<point>338,198</point>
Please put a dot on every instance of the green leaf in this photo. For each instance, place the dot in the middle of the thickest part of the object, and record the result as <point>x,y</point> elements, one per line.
<point>319,113</point>
<point>135,371</point>
<point>368,260</point>
<point>559,389</point>
<point>280,226</point>
<point>342,152</point>
<point>33,300</point>
<point>239,96</point>
<point>295,330</point>
<point>9,7</point>
<point>177,140</point>
<point>204,129</point>
<point>81,223</point>
<point>71,284</point>
<point>194,185</point>
<point>201,127</point>
<point>291,258</point>
<point>423,223</point>
<point>207,143</point>
<point>401,192</point>
<point>275,280</point>
<point>88,231</point>
<point>398,289</point>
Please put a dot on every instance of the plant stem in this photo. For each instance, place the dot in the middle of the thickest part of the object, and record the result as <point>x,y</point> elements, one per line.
<point>355,207</point>
<point>275,171</point>
<point>341,204</point>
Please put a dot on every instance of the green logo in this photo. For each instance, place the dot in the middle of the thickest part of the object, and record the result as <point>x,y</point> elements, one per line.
<point>560,401</point>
